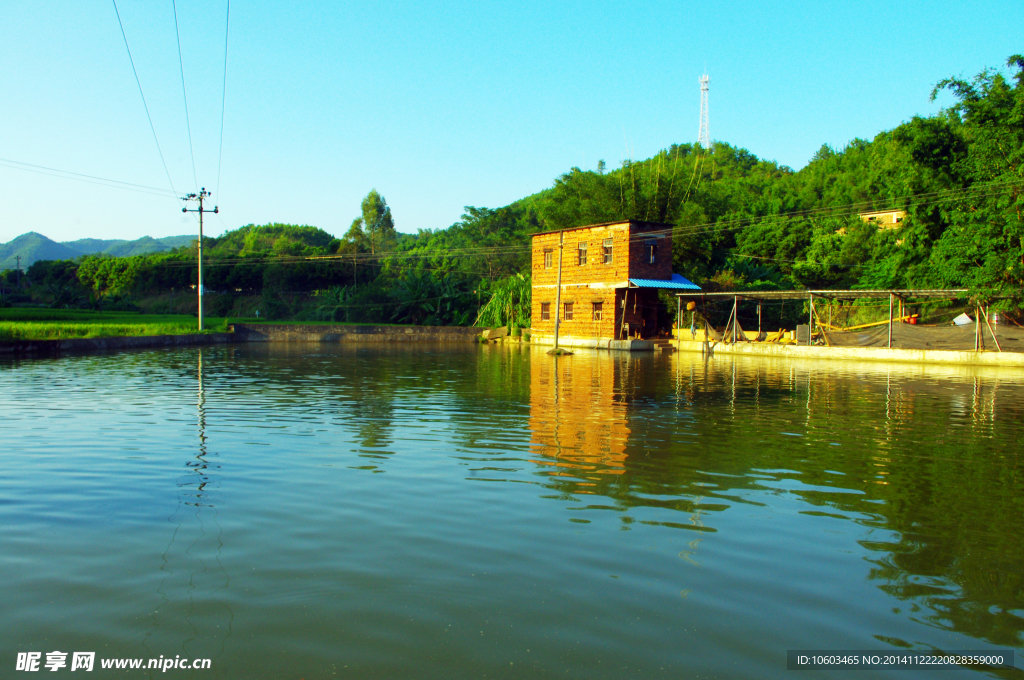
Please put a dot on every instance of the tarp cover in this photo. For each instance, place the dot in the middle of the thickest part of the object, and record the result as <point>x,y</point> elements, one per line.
<point>908,336</point>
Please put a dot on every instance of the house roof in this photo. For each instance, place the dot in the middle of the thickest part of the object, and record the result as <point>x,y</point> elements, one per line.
<point>640,223</point>
<point>677,282</point>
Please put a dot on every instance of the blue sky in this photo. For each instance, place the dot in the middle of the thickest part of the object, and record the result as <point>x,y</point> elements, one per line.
<point>438,105</point>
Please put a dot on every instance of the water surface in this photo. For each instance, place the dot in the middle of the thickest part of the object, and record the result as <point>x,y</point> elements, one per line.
<point>314,511</point>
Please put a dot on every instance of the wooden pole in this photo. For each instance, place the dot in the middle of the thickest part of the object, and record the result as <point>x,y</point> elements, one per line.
<point>735,305</point>
<point>823,333</point>
<point>623,327</point>
<point>890,319</point>
<point>558,294</point>
<point>726,332</point>
<point>679,319</point>
<point>759,319</point>
<point>977,329</point>
<point>991,330</point>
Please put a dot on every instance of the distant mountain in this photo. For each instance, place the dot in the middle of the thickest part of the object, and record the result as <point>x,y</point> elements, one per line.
<point>179,241</point>
<point>33,247</point>
<point>86,246</point>
<point>123,248</point>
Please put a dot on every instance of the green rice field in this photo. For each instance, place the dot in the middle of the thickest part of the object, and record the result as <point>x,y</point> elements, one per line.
<point>19,323</point>
<point>34,323</point>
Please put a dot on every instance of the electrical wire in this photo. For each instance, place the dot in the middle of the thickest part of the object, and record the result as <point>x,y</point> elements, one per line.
<point>223,96</point>
<point>81,177</point>
<point>849,209</point>
<point>181,64</point>
<point>144,105</point>
<point>711,227</point>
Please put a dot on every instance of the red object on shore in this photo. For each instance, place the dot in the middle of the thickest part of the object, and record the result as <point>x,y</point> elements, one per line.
<point>913,320</point>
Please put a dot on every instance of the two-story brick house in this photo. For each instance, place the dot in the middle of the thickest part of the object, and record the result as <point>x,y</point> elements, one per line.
<point>611,274</point>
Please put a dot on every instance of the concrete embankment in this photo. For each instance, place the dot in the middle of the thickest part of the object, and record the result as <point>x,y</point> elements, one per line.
<point>593,343</point>
<point>12,347</point>
<point>914,356</point>
<point>249,333</point>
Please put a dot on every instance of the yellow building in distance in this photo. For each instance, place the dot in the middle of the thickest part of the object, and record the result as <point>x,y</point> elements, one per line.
<point>885,219</point>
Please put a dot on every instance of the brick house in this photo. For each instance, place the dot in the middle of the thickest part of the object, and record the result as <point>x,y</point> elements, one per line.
<point>611,274</point>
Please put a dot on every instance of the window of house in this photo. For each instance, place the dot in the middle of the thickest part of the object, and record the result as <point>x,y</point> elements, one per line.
<point>581,258</point>
<point>545,311</point>
<point>548,258</point>
<point>651,248</point>
<point>598,310</point>
<point>567,313</point>
<point>607,251</point>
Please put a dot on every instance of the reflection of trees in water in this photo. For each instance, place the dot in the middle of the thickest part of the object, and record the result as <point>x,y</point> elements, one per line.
<point>372,415</point>
<point>193,587</point>
<point>932,462</point>
<point>926,462</point>
<point>956,515</point>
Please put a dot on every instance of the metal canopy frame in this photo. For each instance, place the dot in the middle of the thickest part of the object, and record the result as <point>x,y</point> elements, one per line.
<point>901,294</point>
<point>904,293</point>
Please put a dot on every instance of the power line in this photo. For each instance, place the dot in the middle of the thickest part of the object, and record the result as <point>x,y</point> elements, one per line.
<point>81,177</point>
<point>188,125</point>
<point>846,210</point>
<point>491,251</point>
<point>359,257</point>
<point>144,105</point>
<point>223,95</point>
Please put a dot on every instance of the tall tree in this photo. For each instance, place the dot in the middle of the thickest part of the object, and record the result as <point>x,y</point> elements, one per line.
<point>377,222</point>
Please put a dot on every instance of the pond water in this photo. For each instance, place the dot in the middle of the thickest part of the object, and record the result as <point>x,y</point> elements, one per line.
<point>458,511</point>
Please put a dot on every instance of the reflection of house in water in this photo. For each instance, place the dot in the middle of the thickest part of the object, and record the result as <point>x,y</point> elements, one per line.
<point>577,415</point>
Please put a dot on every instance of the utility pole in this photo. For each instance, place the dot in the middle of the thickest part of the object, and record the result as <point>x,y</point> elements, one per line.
<point>558,294</point>
<point>200,197</point>
<point>17,277</point>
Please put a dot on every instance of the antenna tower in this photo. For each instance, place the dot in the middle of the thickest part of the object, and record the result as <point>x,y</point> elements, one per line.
<point>703,136</point>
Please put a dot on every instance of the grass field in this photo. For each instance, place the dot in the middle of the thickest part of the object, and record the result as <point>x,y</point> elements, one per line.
<point>32,323</point>
<point>21,323</point>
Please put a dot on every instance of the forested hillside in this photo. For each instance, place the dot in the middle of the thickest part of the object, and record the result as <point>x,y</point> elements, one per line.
<point>739,222</point>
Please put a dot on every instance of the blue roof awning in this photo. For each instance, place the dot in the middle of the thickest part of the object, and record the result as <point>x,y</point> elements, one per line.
<point>676,282</point>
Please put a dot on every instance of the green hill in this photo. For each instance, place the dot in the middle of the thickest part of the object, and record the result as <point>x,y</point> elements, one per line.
<point>32,247</point>
<point>87,246</point>
<point>124,248</point>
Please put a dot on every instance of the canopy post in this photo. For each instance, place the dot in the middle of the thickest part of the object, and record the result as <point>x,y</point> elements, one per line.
<point>735,319</point>
<point>891,297</point>
<point>810,322</point>
<point>679,319</point>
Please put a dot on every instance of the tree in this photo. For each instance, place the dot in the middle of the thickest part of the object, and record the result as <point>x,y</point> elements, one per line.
<point>354,244</point>
<point>376,222</point>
